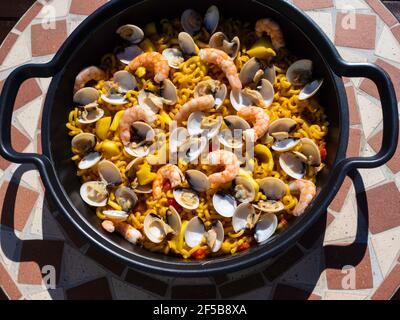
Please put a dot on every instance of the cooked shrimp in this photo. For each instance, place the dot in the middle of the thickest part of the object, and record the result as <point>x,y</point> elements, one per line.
<point>223,61</point>
<point>135,113</point>
<point>227,159</point>
<point>126,230</point>
<point>271,28</point>
<point>197,104</point>
<point>153,61</point>
<point>258,117</point>
<point>88,74</point>
<point>307,193</point>
<point>168,172</point>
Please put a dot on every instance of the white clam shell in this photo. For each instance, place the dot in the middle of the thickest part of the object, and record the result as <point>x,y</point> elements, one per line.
<point>217,229</point>
<point>154,228</point>
<point>142,132</point>
<point>83,142</point>
<point>86,95</point>
<point>177,137</point>
<point>115,215</point>
<point>131,33</point>
<point>169,92</point>
<point>244,213</point>
<point>311,151</point>
<point>174,220</point>
<point>310,89</point>
<point>127,54</point>
<point>194,232</point>
<point>249,70</point>
<point>125,80</point>
<point>191,21</point>
<point>187,44</point>
<point>115,99</point>
<point>186,198</point>
<point>300,72</point>
<point>292,165</point>
<point>174,57</point>
<point>126,198</point>
<point>192,148</point>
<point>197,180</point>
<point>87,194</point>
<point>273,188</point>
<point>211,19</point>
<point>194,125</point>
<point>265,227</point>
<point>282,125</point>
<point>91,113</point>
<point>89,160</point>
<point>285,144</point>
<point>224,204</point>
<point>109,172</point>
<point>214,87</point>
<point>220,41</point>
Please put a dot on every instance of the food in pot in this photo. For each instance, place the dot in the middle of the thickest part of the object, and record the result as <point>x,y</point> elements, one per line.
<point>198,136</point>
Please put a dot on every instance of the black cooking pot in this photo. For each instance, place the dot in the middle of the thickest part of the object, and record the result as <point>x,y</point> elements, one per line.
<point>96,36</point>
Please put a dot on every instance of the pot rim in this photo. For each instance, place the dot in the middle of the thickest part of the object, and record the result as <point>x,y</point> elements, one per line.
<point>222,264</point>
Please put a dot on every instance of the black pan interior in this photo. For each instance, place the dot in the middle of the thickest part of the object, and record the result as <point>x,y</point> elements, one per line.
<point>103,40</point>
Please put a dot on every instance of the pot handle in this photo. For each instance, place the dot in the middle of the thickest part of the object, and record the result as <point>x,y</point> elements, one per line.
<point>7,100</point>
<point>389,109</point>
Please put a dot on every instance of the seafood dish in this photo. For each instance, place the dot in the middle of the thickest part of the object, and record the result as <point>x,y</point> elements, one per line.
<point>198,136</point>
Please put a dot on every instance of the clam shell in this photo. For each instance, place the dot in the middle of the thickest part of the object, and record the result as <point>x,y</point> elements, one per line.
<point>191,21</point>
<point>187,44</point>
<point>211,19</point>
<point>270,206</point>
<point>109,172</point>
<point>194,232</point>
<point>215,236</point>
<point>285,144</point>
<point>91,113</point>
<point>214,87</point>
<point>174,57</point>
<point>186,198</point>
<point>310,89</point>
<point>127,54</point>
<point>220,41</point>
<point>224,204</point>
<point>86,95</point>
<point>197,180</point>
<point>142,133</point>
<point>131,33</point>
<point>245,217</point>
<point>126,198</point>
<point>88,193</point>
<point>89,160</point>
<point>115,215</point>
<point>125,80</point>
<point>174,220</point>
<point>168,91</point>
<point>265,227</point>
<point>300,72</point>
<point>292,165</point>
<point>311,151</point>
<point>249,70</point>
<point>154,228</point>
<point>178,137</point>
<point>282,125</point>
<point>115,99</point>
<point>273,188</point>
<point>195,125</point>
<point>83,142</point>
<point>243,189</point>
<point>192,148</point>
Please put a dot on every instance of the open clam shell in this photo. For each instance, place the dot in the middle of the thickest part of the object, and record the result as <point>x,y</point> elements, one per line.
<point>292,165</point>
<point>131,33</point>
<point>90,113</point>
<point>245,217</point>
<point>282,125</point>
<point>126,198</point>
<point>174,57</point>
<point>220,41</point>
<point>211,19</point>
<point>192,148</point>
<point>127,54</point>
<point>311,151</point>
<point>186,198</point>
<point>115,215</point>
<point>86,96</point>
<point>173,219</point>
<point>155,228</point>
<point>109,172</point>
<point>269,206</point>
<point>232,136</point>
<point>215,236</point>
<point>94,193</point>
<point>199,124</point>
<point>214,87</point>
<point>249,71</point>
<point>197,180</point>
<point>169,92</point>
<point>143,134</point>
<point>187,44</point>
<point>89,160</point>
<point>265,227</point>
<point>130,172</point>
<point>243,190</point>
<point>224,204</point>
<point>273,188</point>
<point>191,21</point>
<point>310,89</point>
<point>262,97</point>
<point>125,81</point>
<point>83,142</point>
<point>194,232</point>
<point>285,144</point>
<point>177,138</point>
<point>300,72</point>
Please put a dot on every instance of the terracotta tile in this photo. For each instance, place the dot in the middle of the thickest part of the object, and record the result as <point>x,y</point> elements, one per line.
<point>283,263</point>
<point>28,91</point>
<point>316,231</point>
<point>396,32</point>
<point>383,207</point>
<point>376,141</point>
<point>194,292</point>
<point>16,203</point>
<point>29,16</point>
<point>340,197</point>
<point>34,255</point>
<point>389,286</point>
<point>45,42</point>
<point>144,281</point>
<point>383,12</point>
<point>106,261</point>
<point>6,46</point>
<point>18,141</point>
<point>285,292</point>
<point>369,87</point>
<point>361,35</point>
<point>353,148</point>
<point>39,143</point>
<point>313,4</point>
<point>85,7</point>
<point>241,286</point>
<point>8,285</point>
<point>98,289</point>
<point>339,256</point>
<point>353,107</point>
